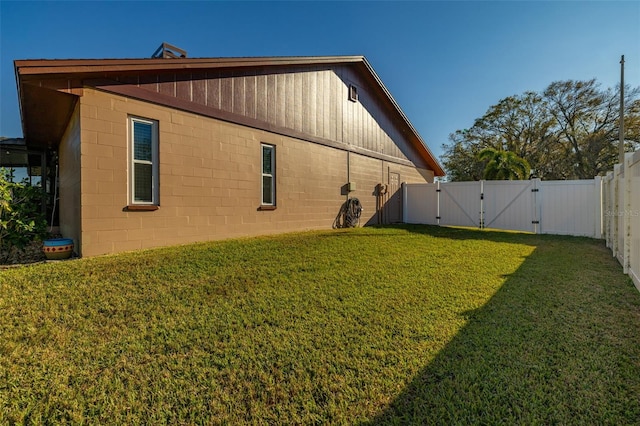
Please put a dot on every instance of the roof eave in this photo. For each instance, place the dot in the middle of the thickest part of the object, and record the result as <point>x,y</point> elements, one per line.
<point>27,69</point>
<point>42,67</point>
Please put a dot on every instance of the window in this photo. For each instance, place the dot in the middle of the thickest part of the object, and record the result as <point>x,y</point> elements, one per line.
<point>268,175</point>
<point>144,162</point>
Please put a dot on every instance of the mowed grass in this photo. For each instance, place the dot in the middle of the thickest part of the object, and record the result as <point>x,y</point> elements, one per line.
<point>394,325</point>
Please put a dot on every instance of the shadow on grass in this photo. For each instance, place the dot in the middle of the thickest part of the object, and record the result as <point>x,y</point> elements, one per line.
<point>557,344</point>
<point>455,233</point>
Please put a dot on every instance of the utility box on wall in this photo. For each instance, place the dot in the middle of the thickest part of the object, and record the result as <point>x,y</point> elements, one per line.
<point>351,186</point>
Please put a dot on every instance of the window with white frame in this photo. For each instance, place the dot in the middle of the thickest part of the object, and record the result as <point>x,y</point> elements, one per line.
<point>268,175</point>
<point>143,174</point>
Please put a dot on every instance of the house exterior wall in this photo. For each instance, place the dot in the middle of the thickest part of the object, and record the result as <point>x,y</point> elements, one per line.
<point>313,101</point>
<point>367,173</point>
<point>210,179</point>
<point>69,180</point>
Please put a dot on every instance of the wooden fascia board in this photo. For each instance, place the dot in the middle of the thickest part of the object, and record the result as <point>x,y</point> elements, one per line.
<point>129,91</point>
<point>90,66</point>
<point>20,98</point>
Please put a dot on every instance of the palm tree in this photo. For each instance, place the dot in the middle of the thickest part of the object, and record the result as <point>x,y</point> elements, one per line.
<point>504,165</point>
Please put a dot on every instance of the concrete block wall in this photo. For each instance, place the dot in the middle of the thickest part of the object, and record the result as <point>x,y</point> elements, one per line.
<point>69,183</point>
<point>209,179</point>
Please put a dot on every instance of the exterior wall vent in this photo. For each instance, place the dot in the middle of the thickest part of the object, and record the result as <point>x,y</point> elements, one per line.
<point>168,51</point>
<point>353,93</point>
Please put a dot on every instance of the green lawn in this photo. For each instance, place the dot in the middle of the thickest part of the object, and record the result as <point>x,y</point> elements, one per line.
<point>373,326</point>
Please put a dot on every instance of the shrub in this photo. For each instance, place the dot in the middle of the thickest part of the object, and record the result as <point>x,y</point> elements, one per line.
<point>21,216</point>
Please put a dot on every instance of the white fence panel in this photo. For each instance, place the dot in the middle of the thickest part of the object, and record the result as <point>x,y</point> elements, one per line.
<point>632,214</point>
<point>552,207</point>
<point>608,205</point>
<point>619,219</point>
<point>510,205</point>
<point>610,213</point>
<point>421,203</point>
<point>460,203</point>
<point>571,207</point>
<point>621,207</point>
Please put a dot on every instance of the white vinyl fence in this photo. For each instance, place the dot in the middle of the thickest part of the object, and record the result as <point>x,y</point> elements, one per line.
<point>621,218</point>
<point>544,207</point>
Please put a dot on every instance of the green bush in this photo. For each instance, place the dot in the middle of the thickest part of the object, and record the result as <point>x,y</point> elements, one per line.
<point>21,216</point>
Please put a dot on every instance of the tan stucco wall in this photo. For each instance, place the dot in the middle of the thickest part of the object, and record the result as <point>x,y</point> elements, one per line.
<point>210,179</point>
<point>69,189</point>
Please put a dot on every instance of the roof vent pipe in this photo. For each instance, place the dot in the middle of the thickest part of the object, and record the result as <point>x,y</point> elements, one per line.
<point>168,51</point>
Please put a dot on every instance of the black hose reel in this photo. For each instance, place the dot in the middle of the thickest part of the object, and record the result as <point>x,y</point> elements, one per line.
<point>349,215</point>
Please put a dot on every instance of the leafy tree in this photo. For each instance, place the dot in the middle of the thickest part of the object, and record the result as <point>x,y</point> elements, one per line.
<point>461,158</point>
<point>587,121</point>
<point>568,131</point>
<point>21,217</point>
<point>503,165</point>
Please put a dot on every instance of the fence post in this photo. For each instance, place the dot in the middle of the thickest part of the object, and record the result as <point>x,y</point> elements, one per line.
<point>597,181</point>
<point>537,206</point>
<point>610,208</point>
<point>438,204</point>
<point>604,208</point>
<point>617,187</point>
<point>481,222</point>
<point>405,202</point>
<point>627,211</point>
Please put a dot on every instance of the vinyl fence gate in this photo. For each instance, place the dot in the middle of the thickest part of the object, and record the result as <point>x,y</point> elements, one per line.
<point>543,207</point>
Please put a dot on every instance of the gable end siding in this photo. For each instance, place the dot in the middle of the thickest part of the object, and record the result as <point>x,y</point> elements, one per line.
<point>309,101</point>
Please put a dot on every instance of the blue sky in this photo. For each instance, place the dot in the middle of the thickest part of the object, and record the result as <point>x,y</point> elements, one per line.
<point>445,63</point>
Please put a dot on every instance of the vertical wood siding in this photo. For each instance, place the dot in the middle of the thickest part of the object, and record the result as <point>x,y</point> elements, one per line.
<point>311,100</point>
